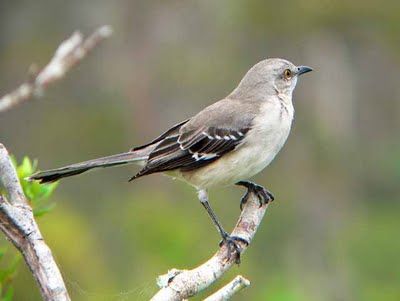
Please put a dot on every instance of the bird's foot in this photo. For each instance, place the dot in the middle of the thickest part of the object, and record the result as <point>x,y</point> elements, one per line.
<point>232,246</point>
<point>264,196</point>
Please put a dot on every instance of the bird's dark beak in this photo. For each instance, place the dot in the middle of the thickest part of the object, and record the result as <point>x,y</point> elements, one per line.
<point>303,69</point>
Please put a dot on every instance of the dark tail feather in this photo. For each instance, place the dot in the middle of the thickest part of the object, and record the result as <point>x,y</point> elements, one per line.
<point>78,168</point>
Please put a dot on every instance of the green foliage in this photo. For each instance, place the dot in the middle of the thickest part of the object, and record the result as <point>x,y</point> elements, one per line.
<point>37,195</point>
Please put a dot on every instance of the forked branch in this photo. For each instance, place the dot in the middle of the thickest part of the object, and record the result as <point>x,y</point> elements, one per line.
<point>182,284</point>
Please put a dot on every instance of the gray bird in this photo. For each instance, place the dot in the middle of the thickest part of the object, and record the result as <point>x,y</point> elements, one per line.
<point>226,143</point>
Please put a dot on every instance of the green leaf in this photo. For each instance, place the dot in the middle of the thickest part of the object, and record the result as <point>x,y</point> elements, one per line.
<point>47,189</point>
<point>36,193</point>
<point>25,169</point>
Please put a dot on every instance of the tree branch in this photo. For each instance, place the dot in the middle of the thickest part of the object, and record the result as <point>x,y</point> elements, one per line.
<point>226,292</point>
<point>181,284</point>
<point>16,217</point>
<point>67,55</point>
<point>19,226</point>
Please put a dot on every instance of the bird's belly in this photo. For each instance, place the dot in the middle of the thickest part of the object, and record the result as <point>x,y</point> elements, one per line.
<point>254,155</point>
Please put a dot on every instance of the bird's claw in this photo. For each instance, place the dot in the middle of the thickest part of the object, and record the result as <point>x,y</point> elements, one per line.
<point>232,246</point>
<point>244,199</point>
<point>264,196</point>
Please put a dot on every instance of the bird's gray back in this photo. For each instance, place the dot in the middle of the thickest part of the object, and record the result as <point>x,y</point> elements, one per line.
<point>226,113</point>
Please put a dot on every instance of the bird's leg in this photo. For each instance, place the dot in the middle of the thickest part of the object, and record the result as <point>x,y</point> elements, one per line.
<point>264,196</point>
<point>230,241</point>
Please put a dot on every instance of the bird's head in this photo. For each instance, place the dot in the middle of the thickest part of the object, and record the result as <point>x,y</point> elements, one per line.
<point>270,77</point>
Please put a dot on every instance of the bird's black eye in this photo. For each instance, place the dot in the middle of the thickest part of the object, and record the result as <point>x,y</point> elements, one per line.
<point>287,73</point>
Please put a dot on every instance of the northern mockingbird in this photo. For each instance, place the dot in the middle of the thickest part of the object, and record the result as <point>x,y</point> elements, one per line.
<point>225,143</point>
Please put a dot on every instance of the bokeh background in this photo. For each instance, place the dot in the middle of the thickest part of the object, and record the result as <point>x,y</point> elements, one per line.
<point>333,232</point>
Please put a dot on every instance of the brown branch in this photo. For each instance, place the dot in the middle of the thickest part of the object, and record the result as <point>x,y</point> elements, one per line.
<point>67,55</point>
<point>19,226</point>
<point>181,284</point>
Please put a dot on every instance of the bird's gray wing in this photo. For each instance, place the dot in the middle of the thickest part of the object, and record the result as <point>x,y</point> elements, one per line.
<point>215,131</point>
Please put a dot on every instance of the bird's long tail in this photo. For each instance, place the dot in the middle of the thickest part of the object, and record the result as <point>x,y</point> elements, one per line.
<point>78,168</point>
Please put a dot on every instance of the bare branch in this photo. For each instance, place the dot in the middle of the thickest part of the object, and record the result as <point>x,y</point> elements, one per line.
<point>67,55</point>
<point>226,292</point>
<point>19,226</point>
<point>181,284</point>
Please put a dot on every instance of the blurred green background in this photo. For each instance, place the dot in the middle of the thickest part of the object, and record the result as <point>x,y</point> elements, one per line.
<point>333,232</point>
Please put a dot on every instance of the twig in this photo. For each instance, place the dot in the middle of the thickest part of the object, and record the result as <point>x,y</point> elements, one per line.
<point>67,55</point>
<point>181,284</point>
<point>19,226</point>
<point>226,292</point>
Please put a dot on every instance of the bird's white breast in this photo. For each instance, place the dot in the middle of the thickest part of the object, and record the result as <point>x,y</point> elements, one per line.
<point>270,130</point>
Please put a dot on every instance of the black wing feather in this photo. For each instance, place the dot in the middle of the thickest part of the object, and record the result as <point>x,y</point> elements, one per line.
<point>191,149</point>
